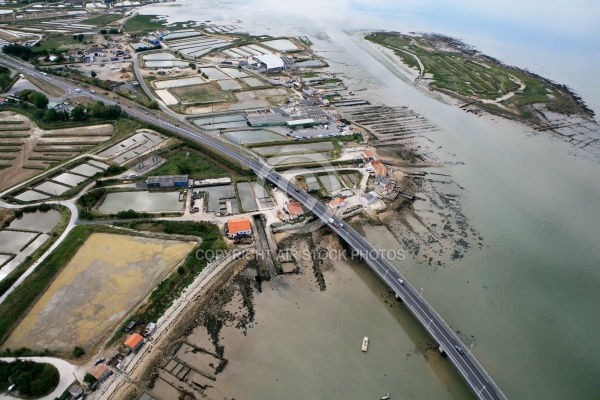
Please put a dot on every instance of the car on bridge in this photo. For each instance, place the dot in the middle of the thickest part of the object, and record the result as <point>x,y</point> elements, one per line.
<point>459,349</point>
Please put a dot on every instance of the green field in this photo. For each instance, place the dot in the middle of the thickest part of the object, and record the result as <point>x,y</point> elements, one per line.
<point>102,20</point>
<point>198,94</point>
<point>190,163</point>
<point>460,70</point>
<point>59,42</point>
<point>141,24</point>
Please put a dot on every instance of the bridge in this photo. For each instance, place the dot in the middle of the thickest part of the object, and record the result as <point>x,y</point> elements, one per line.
<point>464,361</point>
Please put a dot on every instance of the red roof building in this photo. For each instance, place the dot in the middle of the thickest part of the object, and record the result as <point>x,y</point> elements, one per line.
<point>238,227</point>
<point>295,210</point>
<point>134,341</point>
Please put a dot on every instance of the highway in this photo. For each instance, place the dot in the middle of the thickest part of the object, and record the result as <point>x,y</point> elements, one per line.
<point>469,368</point>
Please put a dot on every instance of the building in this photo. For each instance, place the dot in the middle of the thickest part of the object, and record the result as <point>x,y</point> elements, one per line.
<point>301,123</point>
<point>150,328</point>
<point>369,198</point>
<point>238,227</point>
<point>96,52</point>
<point>266,117</point>
<point>270,62</point>
<point>368,155</point>
<point>100,372</point>
<point>75,391</point>
<point>381,170</point>
<point>167,181</point>
<point>295,210</point>
<point>338,202</point>
<point>347,193</point>
<point>134,342</point>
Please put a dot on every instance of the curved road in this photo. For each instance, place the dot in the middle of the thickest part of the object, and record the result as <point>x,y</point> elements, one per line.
<point>466,364</point>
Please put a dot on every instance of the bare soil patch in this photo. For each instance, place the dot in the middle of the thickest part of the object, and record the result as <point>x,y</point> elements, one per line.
<point>109,275</point>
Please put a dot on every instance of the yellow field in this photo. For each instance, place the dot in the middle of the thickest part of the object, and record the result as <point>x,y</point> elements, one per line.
<point>107,277</point>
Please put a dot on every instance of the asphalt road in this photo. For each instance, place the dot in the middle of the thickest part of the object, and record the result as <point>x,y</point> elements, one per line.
<point>466,364</point>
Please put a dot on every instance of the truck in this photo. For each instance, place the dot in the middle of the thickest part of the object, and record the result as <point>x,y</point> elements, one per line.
<point>92,91</point>
<point>78,90</point>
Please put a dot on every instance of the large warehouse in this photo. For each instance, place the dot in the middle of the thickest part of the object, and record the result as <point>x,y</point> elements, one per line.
<point>167,181</point>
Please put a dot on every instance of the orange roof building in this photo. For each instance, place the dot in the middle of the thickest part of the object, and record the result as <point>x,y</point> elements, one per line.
<point>380,169</point>
<point>100,372</point>
<point>239,226</point>
<point>369,155</point>
<point>134,341</point>
<point>338,202</point>
<point>295,210</point>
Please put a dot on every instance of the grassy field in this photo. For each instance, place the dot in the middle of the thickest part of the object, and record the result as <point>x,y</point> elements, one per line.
<point>58,42</point>
<point>458,69</point>
<point>46,86</point>
<point>141,24</point>
<point>190,163</point>
<point>198,94</point>
<point>102,20</point>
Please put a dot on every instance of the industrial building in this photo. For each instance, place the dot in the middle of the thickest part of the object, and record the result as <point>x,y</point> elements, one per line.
<point>270,62</point>
<point>267,117</point>
<point>238,227</point>
<point>167,181</point>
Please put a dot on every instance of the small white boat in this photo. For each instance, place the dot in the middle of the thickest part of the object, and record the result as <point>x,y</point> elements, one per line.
<point>385,397</point>
<point>365,343</point>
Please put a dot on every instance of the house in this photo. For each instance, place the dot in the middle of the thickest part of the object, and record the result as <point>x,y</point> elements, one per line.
<point>338,202</point>
<point>100,372</point>
<point>295,210</point>
<point>2,100</point>
<point>381,170</point>
<point>369,198</point>
<point>238,227</point>
<point>134,342</point>
<point>74,54</point>
<point>368,155</point>
<point>75,391</point>
<point>347,193</point>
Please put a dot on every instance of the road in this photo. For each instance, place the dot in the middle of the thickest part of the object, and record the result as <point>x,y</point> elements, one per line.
<point>466,364</point>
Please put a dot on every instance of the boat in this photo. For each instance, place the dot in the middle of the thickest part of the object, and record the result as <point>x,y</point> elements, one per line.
<point>365,343</point>
<point>385,397</point>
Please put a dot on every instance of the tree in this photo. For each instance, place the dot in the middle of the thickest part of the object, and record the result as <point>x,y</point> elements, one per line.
<point>153,105</point>
<point>80,37</point>
<point>89,378</point>
<point>79,114</point>
<point>51,115</point>
<point>78,351</point>
<point>39,100</point>
<point>93,74</point>
<point>192,65</point>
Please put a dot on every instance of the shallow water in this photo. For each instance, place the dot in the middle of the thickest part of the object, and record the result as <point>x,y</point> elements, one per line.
<point>141,201</point>
<point>528,296</point>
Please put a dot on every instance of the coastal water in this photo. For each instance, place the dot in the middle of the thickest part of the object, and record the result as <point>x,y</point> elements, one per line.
<point>529,295</point>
